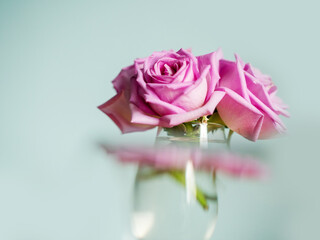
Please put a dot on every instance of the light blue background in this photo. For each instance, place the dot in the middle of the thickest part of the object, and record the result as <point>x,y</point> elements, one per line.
<point>57,60</point>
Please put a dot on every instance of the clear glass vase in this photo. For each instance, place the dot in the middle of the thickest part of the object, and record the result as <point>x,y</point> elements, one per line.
<point>194,135</point>
<point>178,204</point>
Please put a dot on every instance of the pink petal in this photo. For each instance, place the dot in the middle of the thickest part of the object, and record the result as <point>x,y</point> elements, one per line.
<point>265,80</point>
<point>117,108</point>
<point>239,115</point>
<point>195,95</point>
<point>242,78</point>
<point>258,90</point>
<point>233,164</point>
<point>169,92</point>
<point>161,107</point>
<point>232,77</point>
<point>265,110</point>
<point>122,81</point>
<point>149,96</point>
<point>211,59</point>
<point>270,128</point>
<point>189,75</point>
<point>207,109</point>
<point>177,77</point>
<point>277,103</point>
<point>151,60</point>
<point>141,118</point>
<point>137,99</point>
<point>193,62</point>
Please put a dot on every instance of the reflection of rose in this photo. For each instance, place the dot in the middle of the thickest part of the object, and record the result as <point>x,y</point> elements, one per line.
<point>250,106</point>
<point>166,89</point>
<point>166,158</point>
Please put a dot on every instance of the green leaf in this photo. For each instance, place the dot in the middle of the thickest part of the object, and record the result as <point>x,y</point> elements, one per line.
<point>189,129</point>
<point>176,131</point>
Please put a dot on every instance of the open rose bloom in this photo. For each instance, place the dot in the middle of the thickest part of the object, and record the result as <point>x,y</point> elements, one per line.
<point>170,88</point>
<point>166,89</point>
<point>250,106</point>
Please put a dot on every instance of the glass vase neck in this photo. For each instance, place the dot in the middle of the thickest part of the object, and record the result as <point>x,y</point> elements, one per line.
<point>192,134</point>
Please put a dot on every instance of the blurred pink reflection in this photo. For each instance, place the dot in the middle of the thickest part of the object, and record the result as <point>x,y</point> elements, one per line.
<point>172,157</point>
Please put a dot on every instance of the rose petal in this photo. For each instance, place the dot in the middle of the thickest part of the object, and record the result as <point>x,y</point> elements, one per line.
<point>279,106</point>
<point>277,103</point>
<point>169,92</point>
<point>264,79</point>
<point>122,81</point>
<point>265,110</point>
<point>189,75</point>
<point>242,78</point>
<point>270,128</point>
<point>240,115</point>
<point>207,109</point>
<point>179,76</point>
<point>195,95</point>
<point>141,117</point>
<point>155,56</point>
<point>161,107</point>
<point>258,90</point>
<point>117,108</point>
<point>211,59</point>
<point>194,61</point>
<point>232,77</point>
<point>137,99</point>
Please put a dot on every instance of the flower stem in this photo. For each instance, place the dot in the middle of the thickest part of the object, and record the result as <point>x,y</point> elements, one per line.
<point>229,138</point>
<point>204,119</point>
<point>179,176</point>
<point>150,174</point>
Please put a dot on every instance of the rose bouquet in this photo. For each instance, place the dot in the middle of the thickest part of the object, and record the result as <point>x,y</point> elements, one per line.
<point>173,89</point>
<point>189,97</point>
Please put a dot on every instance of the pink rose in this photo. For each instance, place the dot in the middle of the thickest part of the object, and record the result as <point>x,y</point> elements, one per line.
<point>250,106</point>
<point>165,89</point>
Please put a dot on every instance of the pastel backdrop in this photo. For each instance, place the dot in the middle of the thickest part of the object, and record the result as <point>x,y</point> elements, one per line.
<point>57,60</point>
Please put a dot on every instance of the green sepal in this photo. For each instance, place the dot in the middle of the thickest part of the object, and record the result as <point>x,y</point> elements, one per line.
<point>215,118</point>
